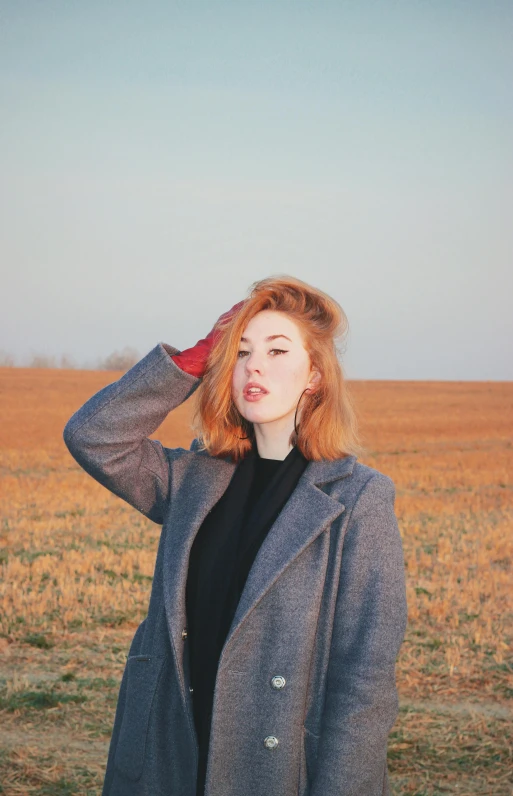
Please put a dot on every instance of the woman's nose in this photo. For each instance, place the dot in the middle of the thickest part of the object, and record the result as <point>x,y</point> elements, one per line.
<point>254,363</point>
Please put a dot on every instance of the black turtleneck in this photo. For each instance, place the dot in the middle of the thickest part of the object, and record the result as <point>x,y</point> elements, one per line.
<point>221,557</point>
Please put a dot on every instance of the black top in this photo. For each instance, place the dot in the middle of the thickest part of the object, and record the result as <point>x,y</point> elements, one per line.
<point>220,560</point>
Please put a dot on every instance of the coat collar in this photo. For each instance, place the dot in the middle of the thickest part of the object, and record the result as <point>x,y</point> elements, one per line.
<point>322,472</point>
<point>309,511</point>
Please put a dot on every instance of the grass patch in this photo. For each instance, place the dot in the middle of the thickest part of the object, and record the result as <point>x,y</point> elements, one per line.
<point>37,700</point>
<point>97,683</point>
<point>22,772</point>
<point>452,749</point>
<point>38,640</point>
<point>138,577</point>
<point>60,787</point>
<point>113,620</point>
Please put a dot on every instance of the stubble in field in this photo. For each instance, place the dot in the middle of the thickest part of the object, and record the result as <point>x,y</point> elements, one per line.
<point>77,564</point>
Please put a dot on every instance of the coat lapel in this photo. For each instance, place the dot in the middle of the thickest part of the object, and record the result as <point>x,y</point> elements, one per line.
<point>308,512</point>
<point>201,487</point>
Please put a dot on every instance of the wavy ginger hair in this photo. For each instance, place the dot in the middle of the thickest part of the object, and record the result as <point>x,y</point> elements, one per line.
<point>328,428</point>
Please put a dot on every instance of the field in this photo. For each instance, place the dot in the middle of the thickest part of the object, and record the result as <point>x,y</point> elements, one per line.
<point>76,568</point>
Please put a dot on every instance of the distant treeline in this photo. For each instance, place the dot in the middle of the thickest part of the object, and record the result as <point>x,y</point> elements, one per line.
<point>118,360</point>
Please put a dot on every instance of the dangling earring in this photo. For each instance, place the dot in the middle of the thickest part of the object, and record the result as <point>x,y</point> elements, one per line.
<point>295,415</point>
<point>316,399</point>
<point>235,417</point>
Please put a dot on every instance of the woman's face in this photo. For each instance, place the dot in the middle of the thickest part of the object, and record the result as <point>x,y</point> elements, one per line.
<point>273,359</point>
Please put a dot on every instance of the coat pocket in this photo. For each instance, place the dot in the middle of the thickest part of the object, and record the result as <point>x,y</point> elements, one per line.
<point>311,745</point>
<point>143,673</point>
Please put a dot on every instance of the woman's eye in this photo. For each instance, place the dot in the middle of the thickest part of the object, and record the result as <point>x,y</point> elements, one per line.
<point>274,351</point>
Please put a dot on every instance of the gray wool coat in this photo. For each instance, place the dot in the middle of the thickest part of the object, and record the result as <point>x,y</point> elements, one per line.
<point>324,607</point>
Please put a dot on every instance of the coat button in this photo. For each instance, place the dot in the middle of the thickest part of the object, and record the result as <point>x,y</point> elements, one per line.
<point>184,633</point>
<point>278,681</point>
<point>271,742</point>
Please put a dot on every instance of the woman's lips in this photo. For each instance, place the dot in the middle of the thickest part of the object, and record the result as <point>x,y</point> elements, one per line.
<point>252,397</point>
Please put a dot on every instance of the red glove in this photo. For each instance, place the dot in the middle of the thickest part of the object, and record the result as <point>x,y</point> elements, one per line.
<point>193,360</point>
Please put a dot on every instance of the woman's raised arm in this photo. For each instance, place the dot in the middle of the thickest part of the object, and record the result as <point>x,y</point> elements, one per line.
<point>108,435</point>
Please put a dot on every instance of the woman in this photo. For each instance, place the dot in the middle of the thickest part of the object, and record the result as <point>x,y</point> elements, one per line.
<point>266,663</point>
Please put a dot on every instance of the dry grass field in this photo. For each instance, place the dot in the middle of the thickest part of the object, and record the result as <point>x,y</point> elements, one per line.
<point>76,567</point>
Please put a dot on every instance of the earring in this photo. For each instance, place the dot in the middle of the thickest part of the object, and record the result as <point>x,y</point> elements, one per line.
<point>315,397</point>
<point>297,407</point>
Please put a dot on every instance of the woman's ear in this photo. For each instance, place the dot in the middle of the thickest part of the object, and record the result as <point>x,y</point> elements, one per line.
<point>315,380</point>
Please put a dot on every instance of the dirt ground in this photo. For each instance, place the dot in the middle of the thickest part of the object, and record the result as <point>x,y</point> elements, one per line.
<point>76,568</point>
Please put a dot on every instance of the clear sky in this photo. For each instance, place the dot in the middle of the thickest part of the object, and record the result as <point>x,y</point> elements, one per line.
<point>158,157</point>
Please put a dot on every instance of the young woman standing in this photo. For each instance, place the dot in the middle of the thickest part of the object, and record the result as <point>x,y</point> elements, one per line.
<point>266,663</point>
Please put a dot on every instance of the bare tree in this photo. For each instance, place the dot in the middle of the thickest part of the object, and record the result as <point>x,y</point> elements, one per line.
<point>6,360</point>
<point>120,360</point>
<point>67,362</point>
<point>42,361</point>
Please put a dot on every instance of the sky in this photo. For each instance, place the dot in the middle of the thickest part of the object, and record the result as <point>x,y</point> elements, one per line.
<point>158,158</point>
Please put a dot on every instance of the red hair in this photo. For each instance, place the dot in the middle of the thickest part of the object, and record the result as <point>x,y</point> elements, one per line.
<point>328,428</point>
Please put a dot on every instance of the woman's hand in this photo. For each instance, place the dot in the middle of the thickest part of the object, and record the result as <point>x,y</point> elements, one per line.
<point>193,360</point>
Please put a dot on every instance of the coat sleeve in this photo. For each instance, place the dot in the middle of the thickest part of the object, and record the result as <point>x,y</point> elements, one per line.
<point>108,435</point>
<point>369,625</point>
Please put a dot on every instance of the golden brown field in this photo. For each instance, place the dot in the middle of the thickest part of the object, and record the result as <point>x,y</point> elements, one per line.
<point>76,567</point>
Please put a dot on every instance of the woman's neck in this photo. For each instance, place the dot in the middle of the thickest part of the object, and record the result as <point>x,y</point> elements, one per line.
<point>272,442</point>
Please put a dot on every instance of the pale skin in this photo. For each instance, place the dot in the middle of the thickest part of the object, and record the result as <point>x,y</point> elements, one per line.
<point>272,354</point>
